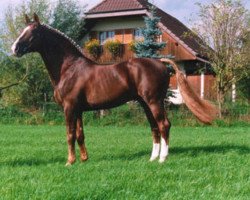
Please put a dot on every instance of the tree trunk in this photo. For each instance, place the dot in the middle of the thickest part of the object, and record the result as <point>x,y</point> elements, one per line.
<point>220,100</point>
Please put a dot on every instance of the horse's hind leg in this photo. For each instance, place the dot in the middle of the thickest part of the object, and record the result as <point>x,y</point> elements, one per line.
<point>80,139</point>
<point>154,129</point>
<point>157,109</point>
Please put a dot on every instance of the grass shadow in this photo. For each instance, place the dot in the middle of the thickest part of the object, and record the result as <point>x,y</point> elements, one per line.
<point>126,156</point>
<point>33,162</point>
<point>218,149</point>
<point>189,151</point>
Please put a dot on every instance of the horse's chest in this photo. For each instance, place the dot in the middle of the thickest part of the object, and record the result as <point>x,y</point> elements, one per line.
<point>64,90</point>
<point>58,97</point>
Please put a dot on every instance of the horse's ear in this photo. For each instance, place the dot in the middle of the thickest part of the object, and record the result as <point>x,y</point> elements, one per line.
<point>36,18</point>
<point>27,19</point>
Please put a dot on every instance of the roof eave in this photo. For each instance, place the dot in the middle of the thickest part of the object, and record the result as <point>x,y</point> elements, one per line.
<point>115,14</point>
<point>194,53</point>
<point>203,60</point>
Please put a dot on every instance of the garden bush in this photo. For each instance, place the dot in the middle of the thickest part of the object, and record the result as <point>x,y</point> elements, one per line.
<point>127,114</point>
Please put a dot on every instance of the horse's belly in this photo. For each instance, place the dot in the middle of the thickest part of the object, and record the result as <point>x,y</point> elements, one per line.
<point>108,98</point>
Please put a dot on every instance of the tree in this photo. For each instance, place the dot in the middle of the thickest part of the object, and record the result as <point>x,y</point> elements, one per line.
<point>150,47</point>
<point>29,67</point>
<point>243,85</point>
<point>67,17</point>
<point>36,87</point>
<point>222,25</point>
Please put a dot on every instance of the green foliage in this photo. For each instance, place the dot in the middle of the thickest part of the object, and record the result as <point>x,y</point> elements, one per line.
<point>126,115</point>
<point>149,47</point>
<point>132,46</point>
<point>35,89</point>
<point>243,89</point>
<point>204,163</point>
<point>68,17</point>
<point>93,47</point>
<point>114,47</point>
<point>223,26</point>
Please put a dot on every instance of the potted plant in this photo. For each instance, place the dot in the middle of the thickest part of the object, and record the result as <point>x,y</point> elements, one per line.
<point>93,48</point>
<point>114,47</point>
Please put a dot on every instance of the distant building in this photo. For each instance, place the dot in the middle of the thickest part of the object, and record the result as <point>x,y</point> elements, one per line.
<point>121,20</point>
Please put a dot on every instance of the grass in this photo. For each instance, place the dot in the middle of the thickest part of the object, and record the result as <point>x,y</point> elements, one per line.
<point>204,163</point>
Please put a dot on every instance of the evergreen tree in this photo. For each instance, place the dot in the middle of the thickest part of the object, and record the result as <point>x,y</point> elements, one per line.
<point>149,47</point>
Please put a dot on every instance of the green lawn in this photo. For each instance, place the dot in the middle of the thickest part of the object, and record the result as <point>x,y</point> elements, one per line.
<point>204,163</point>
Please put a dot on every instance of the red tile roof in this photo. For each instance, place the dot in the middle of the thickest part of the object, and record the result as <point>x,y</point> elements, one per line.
<point>177,28</point>
<point>118,5</point>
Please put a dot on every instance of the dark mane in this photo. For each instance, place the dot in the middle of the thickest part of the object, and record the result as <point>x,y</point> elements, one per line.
<point>71,41</point>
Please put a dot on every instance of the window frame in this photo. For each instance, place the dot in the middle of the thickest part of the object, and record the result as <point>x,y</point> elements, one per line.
<point>137,33</point>
<point>105,35</point>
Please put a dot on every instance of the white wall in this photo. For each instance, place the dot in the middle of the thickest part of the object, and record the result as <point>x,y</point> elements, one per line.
<point>119,23</point>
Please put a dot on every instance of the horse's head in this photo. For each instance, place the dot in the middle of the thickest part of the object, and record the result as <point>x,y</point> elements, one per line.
<point>30,39</point>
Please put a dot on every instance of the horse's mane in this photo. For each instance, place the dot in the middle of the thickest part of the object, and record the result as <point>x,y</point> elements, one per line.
<point>71,41</point>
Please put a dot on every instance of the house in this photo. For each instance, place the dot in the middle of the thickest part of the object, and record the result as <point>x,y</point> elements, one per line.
<point>122,20</point>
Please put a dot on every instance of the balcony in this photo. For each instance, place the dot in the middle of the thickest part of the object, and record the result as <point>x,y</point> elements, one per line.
<point>106,57</point>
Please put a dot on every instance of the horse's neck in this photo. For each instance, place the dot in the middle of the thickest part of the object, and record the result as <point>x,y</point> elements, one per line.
<point>57,57</point>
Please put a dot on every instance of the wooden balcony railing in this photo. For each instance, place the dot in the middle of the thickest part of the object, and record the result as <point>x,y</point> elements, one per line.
<point>106,57</point>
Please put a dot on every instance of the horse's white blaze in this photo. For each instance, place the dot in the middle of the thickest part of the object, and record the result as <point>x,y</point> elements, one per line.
<point>164,151</point>
<point>155,151</point>
<point>13,47</point>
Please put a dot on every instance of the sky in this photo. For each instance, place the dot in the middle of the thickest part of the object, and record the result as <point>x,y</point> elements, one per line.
<point>183,10</point>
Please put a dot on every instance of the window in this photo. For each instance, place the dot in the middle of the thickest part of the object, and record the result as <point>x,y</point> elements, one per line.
<point>138,34</point>
<point>110,34</point>
<point>103,36</point>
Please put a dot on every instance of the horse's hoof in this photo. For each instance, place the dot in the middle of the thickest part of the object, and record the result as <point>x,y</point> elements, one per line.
<point>84,159</point>
<point>162,160</point>
<point>68,164</point>
<point>153,158</point>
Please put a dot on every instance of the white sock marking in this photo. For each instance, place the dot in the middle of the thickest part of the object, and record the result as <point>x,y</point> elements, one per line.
<point>13,47</point>
<point>164,151</point>
<point>155,151</point>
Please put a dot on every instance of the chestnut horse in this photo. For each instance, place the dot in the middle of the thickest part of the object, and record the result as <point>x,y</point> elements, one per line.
<point>82,85</point>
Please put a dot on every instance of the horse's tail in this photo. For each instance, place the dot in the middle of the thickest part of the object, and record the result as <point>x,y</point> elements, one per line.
<point>202,109</point>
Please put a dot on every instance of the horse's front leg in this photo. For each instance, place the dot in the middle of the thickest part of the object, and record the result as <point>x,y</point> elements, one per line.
<point>80,139</point>
<point>70,118</point>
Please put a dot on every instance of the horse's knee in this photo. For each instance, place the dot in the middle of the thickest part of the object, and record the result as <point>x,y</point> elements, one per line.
<point>71,138</point>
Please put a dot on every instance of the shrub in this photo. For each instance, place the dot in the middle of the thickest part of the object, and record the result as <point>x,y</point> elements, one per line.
<point>132,45</point>
<point>93,47</point>
<point>114,47</point>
